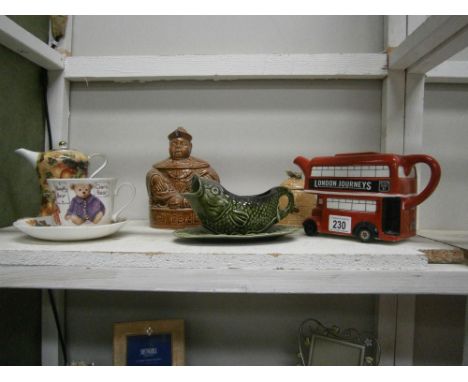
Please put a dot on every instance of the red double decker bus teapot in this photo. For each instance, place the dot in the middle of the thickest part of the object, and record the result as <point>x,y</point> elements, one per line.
<point>366,195</point>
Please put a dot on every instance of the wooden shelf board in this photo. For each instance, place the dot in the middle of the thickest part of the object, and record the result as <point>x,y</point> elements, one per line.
<point>437,39</point>
<point>458,239</point>
<point>29,46</point>
<point>226,67</point>
<point>142,258</point>
<point>436,279</point>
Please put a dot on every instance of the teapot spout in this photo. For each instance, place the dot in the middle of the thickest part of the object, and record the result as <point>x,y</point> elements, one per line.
<point>31,156</point>
<point>194,196</point>
<point>196,189</point>
<point>303,163</point>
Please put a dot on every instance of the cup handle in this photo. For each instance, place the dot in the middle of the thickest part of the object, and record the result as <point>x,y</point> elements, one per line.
<point>104,164</point>
<point>289,208</point>
<point>116,214</point>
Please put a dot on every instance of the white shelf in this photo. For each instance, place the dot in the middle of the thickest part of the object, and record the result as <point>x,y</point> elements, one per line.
<point>437,39</point>
<point>457,239</point>
<point>140,258</point>
<point>226,67</point>
<point>29,46</point>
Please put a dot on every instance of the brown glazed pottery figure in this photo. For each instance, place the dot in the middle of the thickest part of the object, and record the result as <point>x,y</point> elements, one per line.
<point>168,179</point>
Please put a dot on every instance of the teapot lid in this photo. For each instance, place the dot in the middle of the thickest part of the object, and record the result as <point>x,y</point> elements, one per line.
<point>64,150</point>
<point>62,145</point>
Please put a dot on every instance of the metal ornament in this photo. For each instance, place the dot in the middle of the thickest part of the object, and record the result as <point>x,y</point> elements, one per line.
<point>312,327</point>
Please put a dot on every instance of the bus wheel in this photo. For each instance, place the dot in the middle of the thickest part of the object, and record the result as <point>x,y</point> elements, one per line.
<point>364,234</point>
<point>310,228</point>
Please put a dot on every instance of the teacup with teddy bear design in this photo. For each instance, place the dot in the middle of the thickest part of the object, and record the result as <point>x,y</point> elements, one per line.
<point>87,201</point>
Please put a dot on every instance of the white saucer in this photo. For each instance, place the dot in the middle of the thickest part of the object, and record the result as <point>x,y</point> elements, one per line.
<point>68,233</point>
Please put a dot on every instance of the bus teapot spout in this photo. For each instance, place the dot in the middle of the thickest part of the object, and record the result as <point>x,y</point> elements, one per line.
<point>304,165</point>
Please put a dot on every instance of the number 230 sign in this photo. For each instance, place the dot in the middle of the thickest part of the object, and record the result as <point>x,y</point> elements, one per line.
<point>339,223</point>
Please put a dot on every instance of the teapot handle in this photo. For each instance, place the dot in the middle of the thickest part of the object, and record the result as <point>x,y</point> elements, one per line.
<point>411,160</point>
<point>282,213</point>
<point>104,164</point>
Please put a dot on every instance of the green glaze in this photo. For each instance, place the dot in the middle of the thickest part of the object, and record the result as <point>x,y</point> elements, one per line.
<point>201,233</point>
<point>222,212</point>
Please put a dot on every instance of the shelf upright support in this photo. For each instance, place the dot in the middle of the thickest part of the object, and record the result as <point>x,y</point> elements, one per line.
<point>414,113</point>
<point>58,92</point>
<point>386,312</point>
<point>405,327</point>
<point>395,313</point>
<point>395,329</point>
<point>58,99</point>
<point>393,91</point>
<point>465,341</point>
<point>50,348</point>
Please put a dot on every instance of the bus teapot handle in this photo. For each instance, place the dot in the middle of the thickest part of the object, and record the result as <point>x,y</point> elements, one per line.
<point>410,161</point>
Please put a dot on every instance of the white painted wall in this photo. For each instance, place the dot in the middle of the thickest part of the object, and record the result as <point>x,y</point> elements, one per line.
<point>250,132</point>
<point>173,35</point>
<point>445,136</point>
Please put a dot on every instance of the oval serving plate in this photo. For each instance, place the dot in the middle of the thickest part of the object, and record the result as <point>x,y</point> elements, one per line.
<point>204,234</point>
<point>67,233</point>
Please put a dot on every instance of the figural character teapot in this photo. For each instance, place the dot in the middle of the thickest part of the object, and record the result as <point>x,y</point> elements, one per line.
<point>60,163</point>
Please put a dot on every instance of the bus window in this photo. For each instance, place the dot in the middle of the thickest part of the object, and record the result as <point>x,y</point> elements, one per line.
<point>352,205</point>
<point>370,171</point>
<point>359,205</point>
<point>332,203</point>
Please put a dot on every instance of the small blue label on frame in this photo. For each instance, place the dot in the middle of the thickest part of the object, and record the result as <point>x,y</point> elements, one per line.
<point>154,350</point>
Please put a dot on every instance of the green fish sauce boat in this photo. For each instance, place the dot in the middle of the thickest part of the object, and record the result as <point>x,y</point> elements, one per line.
<point>223,212</point>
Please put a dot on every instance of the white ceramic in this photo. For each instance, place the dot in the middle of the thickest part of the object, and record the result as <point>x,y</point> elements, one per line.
<point>67,233</point>
<point>87,201</point>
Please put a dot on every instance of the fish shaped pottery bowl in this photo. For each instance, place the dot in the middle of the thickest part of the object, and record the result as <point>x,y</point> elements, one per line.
<point>223,212</point>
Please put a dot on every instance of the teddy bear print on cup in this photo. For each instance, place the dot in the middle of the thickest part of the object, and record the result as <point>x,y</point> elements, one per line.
<point>85,207</point>
<point>90,201</point>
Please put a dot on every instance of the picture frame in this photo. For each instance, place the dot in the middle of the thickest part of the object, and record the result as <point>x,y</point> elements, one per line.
<point>326,351</point>
<point>321,345</point>
<point>149,343</point>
